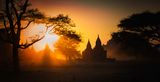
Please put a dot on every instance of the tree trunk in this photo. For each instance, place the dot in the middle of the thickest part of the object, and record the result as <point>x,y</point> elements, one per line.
<point>16,65</point>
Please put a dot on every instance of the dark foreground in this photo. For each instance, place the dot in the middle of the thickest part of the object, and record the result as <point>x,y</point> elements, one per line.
<point>106,72</point>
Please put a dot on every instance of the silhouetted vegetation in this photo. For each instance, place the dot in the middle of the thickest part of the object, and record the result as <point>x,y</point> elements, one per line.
<point>13,18</point>
<point>14,13</point>
<point>145,24</point>
<point>137,39</point>
<point>138,36</point>
<point>68,42</point>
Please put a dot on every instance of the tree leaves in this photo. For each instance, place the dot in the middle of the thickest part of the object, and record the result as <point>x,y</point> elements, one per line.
<point>147,24</point>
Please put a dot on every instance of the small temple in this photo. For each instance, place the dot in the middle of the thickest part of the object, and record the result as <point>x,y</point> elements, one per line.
<point>98,53</point>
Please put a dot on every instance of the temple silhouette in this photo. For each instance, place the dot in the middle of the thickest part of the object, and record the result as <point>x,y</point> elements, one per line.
<point>98,53</point>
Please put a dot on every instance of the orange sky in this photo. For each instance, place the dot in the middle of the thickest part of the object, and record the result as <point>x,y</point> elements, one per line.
<point>89,21</point>
<point>93,17</point>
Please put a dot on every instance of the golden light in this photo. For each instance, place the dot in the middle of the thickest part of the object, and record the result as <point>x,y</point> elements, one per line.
<point>60,57</point>
<point>49,39</point>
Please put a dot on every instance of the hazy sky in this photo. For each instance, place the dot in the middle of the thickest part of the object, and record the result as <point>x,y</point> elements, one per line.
<point>93,17</point>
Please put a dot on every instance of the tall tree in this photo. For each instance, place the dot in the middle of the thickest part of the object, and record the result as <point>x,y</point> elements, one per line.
<point>68,43</point>
<point>146,24</point>
<point>129,45</point>
<point>17,16</point>
<point>14,13</point>
<point>138,36</point>
<point>69,39</point>
<point>68,47</point>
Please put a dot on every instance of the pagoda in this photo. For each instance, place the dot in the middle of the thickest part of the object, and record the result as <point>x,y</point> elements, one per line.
<point>98,53</point>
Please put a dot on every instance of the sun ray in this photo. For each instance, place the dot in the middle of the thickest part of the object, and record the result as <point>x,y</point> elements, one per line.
<point>50,39</point>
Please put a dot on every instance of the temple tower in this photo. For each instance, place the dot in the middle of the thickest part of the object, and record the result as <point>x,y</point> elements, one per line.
<point>99,54</point>
<point>87,53</point>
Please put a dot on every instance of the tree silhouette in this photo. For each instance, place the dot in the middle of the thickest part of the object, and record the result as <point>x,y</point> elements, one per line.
<point>138,36</point>
<point>14,13</point>
<point>68,43</point>
<point>130,44</point>
<point>13,18</point>
<point>146,24</point>
<point>68,47</point>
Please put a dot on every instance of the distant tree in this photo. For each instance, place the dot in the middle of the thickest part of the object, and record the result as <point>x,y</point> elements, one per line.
<point>130,44</point>
<point>13,19</point>
<point>138,36</point>
<point>146,24</point>
<point>69,39</point>
<point>68,43</point>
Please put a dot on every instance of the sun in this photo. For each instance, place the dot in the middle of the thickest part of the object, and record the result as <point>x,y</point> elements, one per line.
<point>49,39</point>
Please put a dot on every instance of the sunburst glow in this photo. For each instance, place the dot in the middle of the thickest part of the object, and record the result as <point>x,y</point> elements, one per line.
<point>49,39</point>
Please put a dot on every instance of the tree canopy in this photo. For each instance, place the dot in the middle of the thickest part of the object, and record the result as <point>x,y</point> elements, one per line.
<point>138,36</point>
<point>68,43</point>
<point>17,15</point>
<point>146,24</point>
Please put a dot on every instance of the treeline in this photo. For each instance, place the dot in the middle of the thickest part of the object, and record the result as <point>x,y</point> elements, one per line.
<point>138,37</point>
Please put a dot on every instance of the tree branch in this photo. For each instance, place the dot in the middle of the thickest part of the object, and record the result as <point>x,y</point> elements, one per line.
<point>29,22</point>
<point>14,8</point>
<point>6,28</point>
<point>24,8</point>
<point>15,23</point>
<point>26,45</point>
<point>9,17</point>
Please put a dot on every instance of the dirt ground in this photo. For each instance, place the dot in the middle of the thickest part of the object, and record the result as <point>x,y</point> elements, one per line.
<point>106,72</point>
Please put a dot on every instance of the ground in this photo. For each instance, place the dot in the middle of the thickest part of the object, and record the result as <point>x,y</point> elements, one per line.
<point>99,72</point>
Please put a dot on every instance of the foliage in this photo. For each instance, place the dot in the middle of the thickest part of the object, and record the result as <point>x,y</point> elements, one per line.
<point>146,24</point>
<point>13,17</point>
<point>130,44</point>
<point>138,36</point>
<point>17,16</point>
<point>68,43</point>
<point>69,39</point>
<point>68,47</point>
<point>18,13</point>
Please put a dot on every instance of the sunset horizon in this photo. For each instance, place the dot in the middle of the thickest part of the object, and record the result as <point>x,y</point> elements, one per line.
<point>79,40</point>
<point>93,18</point>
